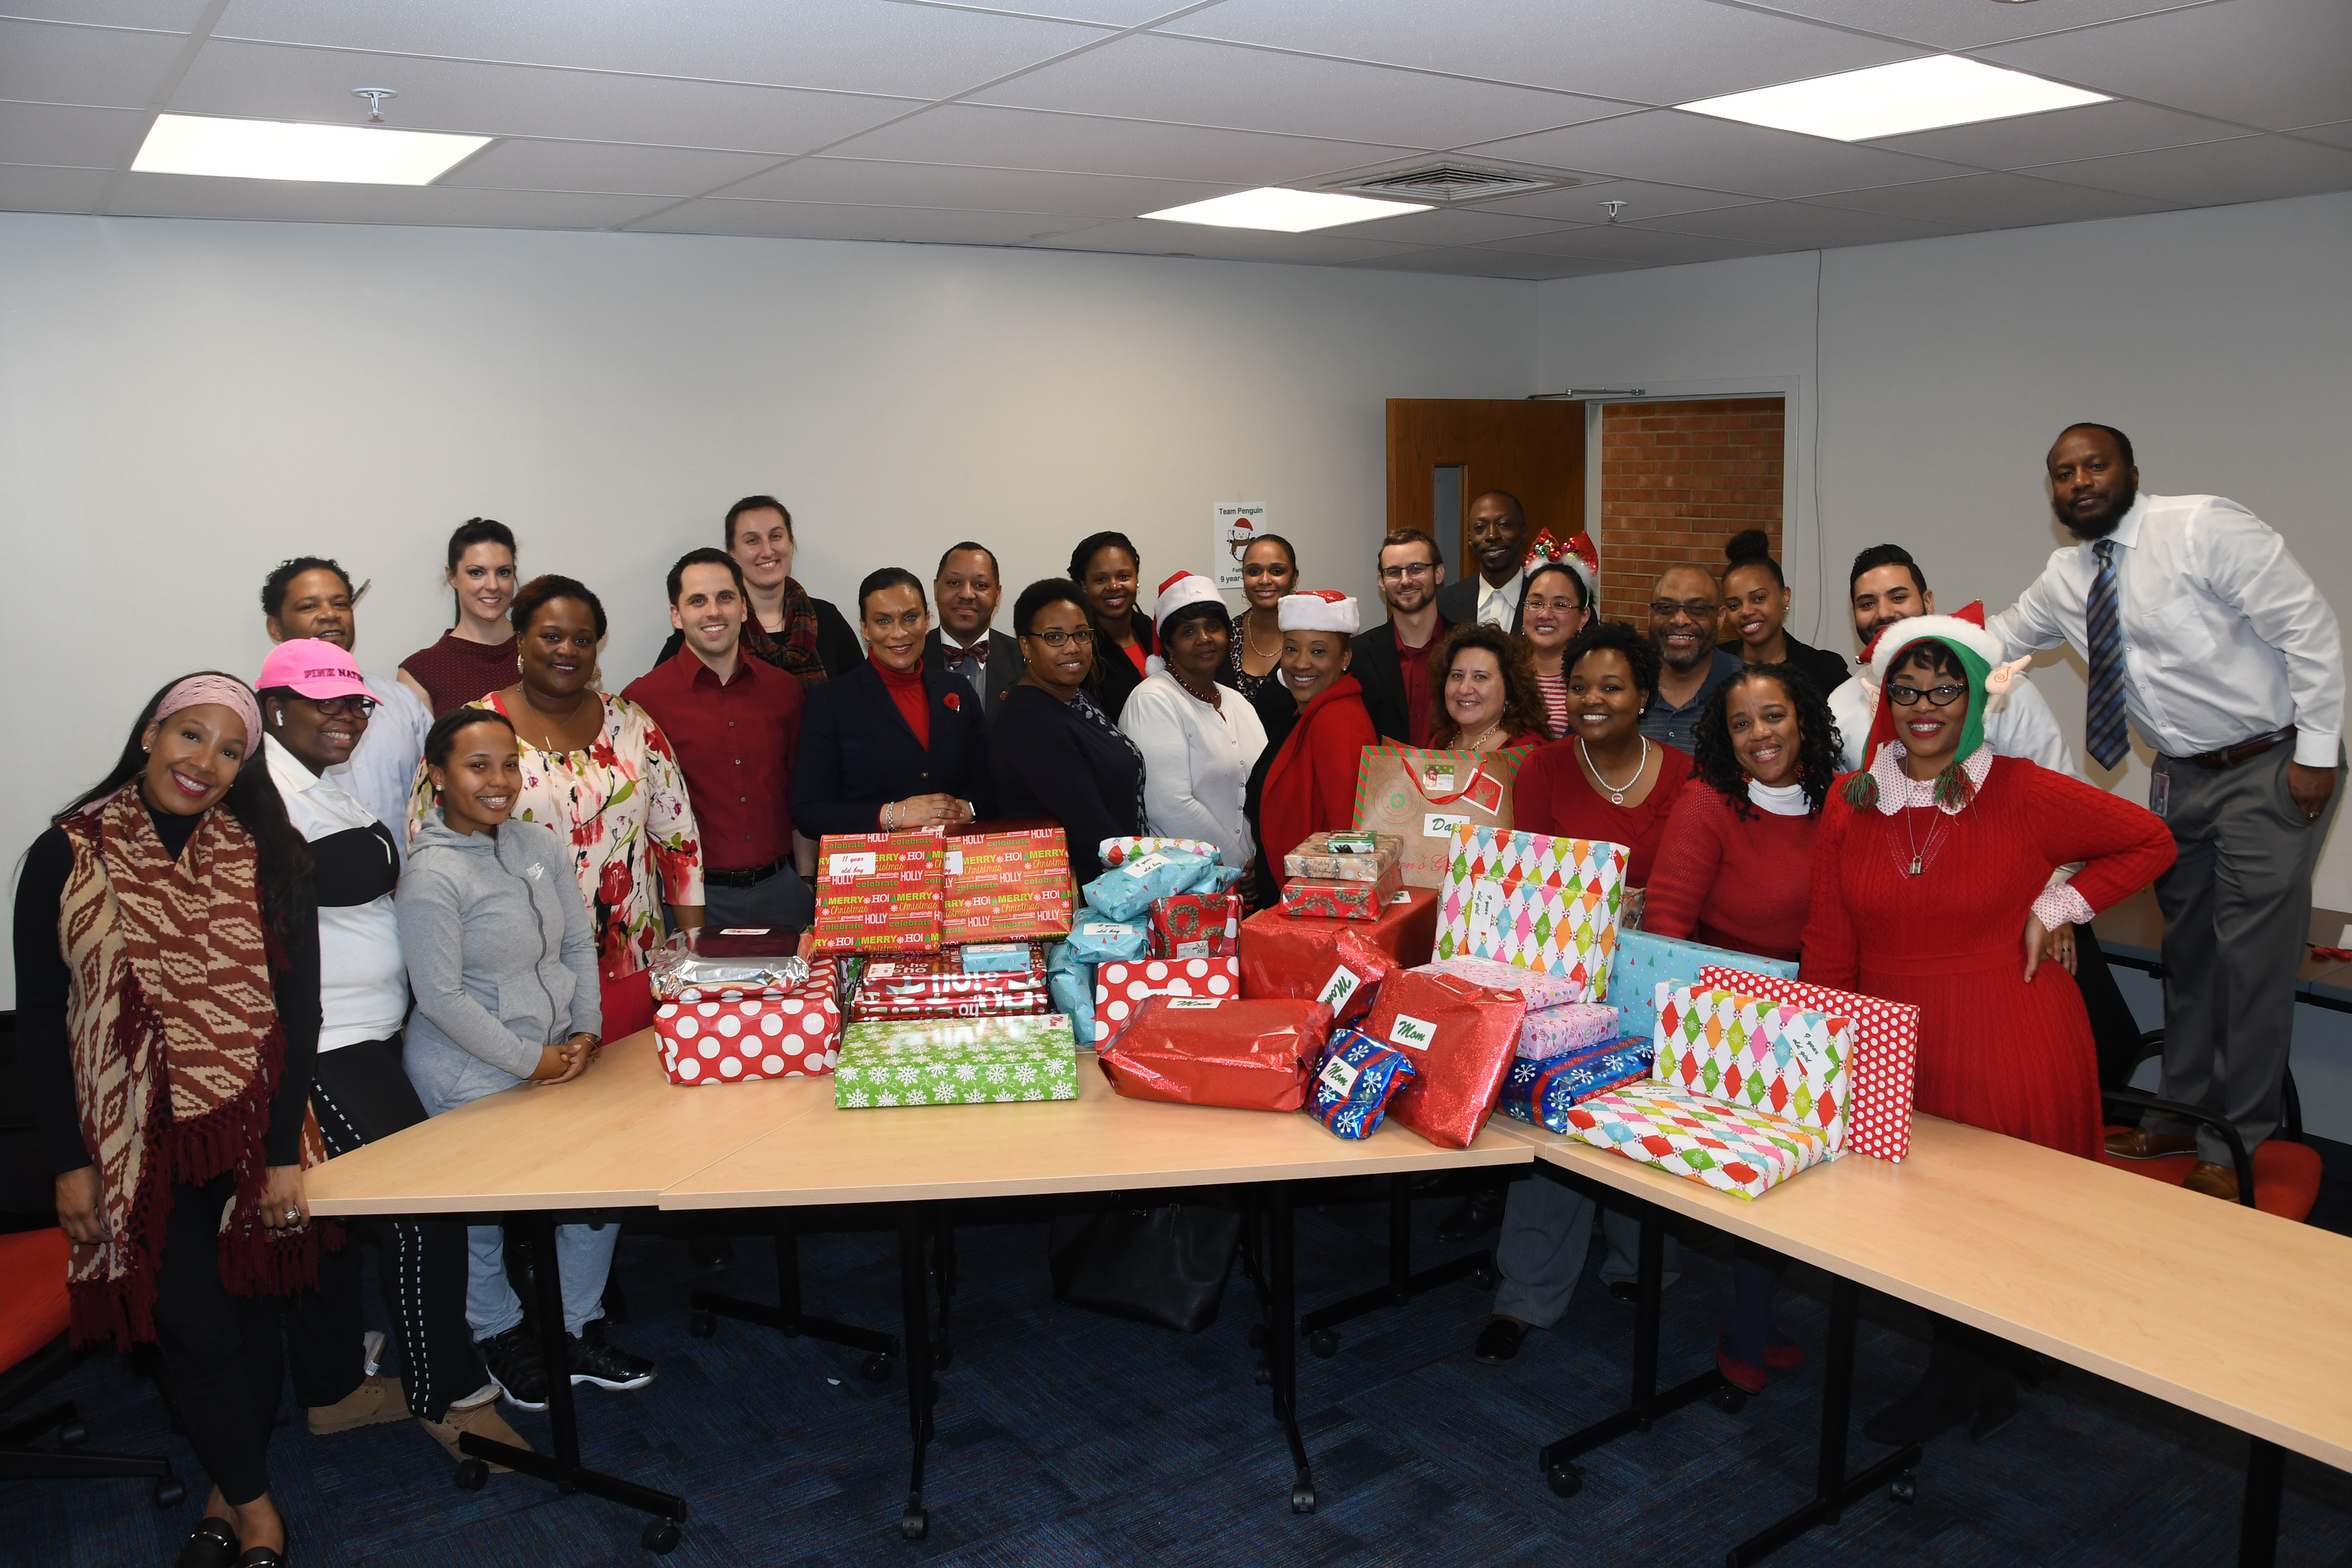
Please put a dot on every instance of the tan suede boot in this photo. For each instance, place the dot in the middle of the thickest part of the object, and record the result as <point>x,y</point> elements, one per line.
<point>375,1399</point>
<point>483,1420</point>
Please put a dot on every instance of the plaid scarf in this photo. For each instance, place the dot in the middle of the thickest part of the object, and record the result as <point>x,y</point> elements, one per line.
<point>795,646</point>
<point>176,1048</point>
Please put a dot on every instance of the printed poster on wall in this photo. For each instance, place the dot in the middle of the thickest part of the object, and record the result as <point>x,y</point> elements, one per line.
<point>1233,524</point>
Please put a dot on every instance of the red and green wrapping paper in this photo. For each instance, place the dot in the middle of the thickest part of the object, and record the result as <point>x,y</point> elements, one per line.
<point>1284,956</point>
<point>1005,887</point>
<point>1196,925</point>
<point>1192,1051</point>
<point>880,892</point>
<point>1317,898</point>
<point>1459,1039</point>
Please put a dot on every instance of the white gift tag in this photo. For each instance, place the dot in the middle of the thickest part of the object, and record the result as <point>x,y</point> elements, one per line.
<point>954,863</point>
<point>1402,895</point>
<point>1105,928</point>
<point>860,863</point>
<point>1193,949</point>
<point>1339,1076</point>
<point>1412,1033</point>
<point>1438,825</point>
<point>1151,861</point>
<point>1196,1002</point>
<point>1339,987</point>
<point>1485,912</point>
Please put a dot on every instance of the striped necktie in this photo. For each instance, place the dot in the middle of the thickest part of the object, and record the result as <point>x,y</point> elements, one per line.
<point>2104,718</point>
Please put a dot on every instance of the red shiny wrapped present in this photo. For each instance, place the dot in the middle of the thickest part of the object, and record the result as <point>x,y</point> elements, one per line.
<point>1284,956</point>
<point>1123,984</point>
<point>1358,970</point>
<point>1317,898</point>
<point>1459,1039</point>
<point>1196,925</point>
<point>1194,1050</point>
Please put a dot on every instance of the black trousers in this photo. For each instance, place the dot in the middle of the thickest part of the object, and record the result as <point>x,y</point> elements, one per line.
<point>362,1094</point>
<point>221,1354</point>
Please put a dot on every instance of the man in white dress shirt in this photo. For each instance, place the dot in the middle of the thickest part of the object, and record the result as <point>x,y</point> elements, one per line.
<point>1498,542</point>
<point>2200,628</point>
<point>311,596</point>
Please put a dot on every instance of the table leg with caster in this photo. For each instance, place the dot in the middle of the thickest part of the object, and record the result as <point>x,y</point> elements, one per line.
<point>563,1466</point>
<point>914,1301</point>
<point>2258,1527</point>
<point>786,1317</point>
<point>943,1269</point>
<point>1282,1341</point>
<point>1320,1326</point>
<point>1833,1489</point>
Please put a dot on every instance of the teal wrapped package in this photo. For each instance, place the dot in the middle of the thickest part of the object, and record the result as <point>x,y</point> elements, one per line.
<point>1096,938</point>
<point>1127,890</point>
<point>1071,982</point>
<point>1642,963</point>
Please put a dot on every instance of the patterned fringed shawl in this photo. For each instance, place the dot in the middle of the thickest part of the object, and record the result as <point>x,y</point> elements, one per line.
<point>177,1050</point>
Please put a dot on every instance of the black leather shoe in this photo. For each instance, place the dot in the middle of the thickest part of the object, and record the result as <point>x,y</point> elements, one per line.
<point>212,1544</point>
<point>1479,1213</point>
<point>262,1557</point>
<point>1945,1398</point>
<point>1498,1341</point>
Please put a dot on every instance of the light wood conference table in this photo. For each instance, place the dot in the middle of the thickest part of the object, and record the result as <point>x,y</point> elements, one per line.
<point>2220,1309</point>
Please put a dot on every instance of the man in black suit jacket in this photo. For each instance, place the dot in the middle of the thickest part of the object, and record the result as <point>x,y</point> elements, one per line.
<point>1498,542</point>
<point>967,590</point>
<point>1413,579</point>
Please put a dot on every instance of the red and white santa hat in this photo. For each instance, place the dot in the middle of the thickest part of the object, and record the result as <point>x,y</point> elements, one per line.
<point>1319,610</point>
<point>1180,591</point>
<point>1965,627</point>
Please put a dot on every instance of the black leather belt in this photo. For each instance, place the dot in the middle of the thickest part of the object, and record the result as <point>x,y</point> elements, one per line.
<point>2244,751</point>
<point>751,877</point>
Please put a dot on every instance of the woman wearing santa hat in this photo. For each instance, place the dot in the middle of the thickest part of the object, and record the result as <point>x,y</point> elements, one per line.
<point>1311,783</point>
<point>1931,885</point>
<point>1198,739</point>
<point>1056,753</point>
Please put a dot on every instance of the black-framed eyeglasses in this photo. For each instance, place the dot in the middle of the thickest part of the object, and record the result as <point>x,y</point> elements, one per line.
<point>1400,573</point>
<point>357,707</point>
<point>1697,609</point>
<point>1938,696</point>
<point>1057,638</point>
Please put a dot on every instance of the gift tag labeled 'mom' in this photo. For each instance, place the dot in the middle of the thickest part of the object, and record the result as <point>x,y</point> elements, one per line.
<point>1337,989</point>
<point>1412,1033</point>
<point>1339,1076</point>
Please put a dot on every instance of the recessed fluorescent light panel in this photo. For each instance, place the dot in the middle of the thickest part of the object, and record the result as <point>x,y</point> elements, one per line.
<point>276,150</point>
<point>1893,101</point>
<point>1287,212</point>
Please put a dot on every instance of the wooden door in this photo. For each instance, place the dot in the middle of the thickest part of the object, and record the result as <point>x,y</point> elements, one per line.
<point>1533,448</point>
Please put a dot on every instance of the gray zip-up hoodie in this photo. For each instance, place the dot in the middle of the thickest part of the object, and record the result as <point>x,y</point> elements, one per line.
<point>500,957</point>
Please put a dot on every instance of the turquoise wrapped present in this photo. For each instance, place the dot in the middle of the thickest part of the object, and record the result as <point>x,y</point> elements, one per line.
<point>1642,963</point>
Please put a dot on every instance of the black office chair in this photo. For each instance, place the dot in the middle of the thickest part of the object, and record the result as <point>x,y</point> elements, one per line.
<point>2280,1176</point>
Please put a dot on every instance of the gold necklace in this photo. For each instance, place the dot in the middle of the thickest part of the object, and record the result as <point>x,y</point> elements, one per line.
<point>1249,637</point>
<point>1485,736</point>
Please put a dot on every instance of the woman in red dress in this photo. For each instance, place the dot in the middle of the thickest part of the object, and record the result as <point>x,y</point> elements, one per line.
<point>1931,885</point>
<point>1311,784</point>
<point>1607,780</point>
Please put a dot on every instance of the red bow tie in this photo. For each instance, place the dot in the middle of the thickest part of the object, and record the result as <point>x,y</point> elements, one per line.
<point>955,656</point>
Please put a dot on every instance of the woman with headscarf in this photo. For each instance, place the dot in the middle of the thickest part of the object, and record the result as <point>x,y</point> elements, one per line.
<point>1931,885</point>
<point>1198,739</point>
<point>175,1116</point>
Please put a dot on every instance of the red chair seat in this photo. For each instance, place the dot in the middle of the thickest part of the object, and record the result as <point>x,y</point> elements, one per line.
<point>2287,1175</point>
<point>33,1309</point>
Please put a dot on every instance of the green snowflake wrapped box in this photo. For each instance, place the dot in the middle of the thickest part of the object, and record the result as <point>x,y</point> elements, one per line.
<point>956,1061</point>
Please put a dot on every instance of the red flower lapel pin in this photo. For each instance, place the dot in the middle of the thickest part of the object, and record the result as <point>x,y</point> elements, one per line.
<point>955,704</point>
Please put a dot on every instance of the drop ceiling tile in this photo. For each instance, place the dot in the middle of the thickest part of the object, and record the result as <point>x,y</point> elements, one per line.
<point>1583,203</point>
<point>32,188</point>
<point>1187,82</point>
<point>1028,139</point>
<point>1635,246</point>
<point>2094,130</point>
<point>1448,226</point>
<point>2336,135</point>
<point>1474,263</point>
<point>296,201</point>
<point>43,63</point>
<point>1142,237</point>
<point>159,16</point>
<point>276,82</point>
<point>825,220</point>
<point>1993,201</point>
<point>1647,51</point>
<point>1965,23</point>
<point>851,46</point>
<point>84,138</point>
<point>874,182</point>
<point>602,166</point>
<point>1678,148</point>
<point>2267,63</point>
<point>1110,13</point>
<point>1798,225</point>
<point>2214,174</point>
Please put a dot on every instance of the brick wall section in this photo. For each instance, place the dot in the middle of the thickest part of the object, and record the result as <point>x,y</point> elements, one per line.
<point>1676,480</point>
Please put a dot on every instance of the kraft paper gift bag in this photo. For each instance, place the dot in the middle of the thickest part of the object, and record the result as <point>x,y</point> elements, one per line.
<point>1422,796</point>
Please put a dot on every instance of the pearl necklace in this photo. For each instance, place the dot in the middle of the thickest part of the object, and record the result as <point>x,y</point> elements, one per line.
<point>1616,792</point>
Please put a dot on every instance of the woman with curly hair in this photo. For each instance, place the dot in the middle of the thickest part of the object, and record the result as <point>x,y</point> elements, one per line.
<point>1486,699</point>
<point>1607,780</point>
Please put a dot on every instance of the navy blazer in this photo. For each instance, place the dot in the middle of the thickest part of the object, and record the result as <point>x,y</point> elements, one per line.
<point>857,754</point>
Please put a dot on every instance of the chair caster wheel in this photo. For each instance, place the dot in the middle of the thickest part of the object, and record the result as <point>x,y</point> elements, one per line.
<point>874,1368</point>
<point>702,1324</point>
<point>1302,1497</point>
<point>1903,1489</point>
<point>1263,1377</point>
<point>914,1523</point>
<point>1324,1344</point>
<point>72,1435</point>
<point>1566,1481</point>
<point>660,1536</point>
<point>1728,1399</point>
<point>169,1492</point>
<point>942,1358</point>
<point>472,1475</point>
<point>1485,1278</point>
<point>1257,1337</point>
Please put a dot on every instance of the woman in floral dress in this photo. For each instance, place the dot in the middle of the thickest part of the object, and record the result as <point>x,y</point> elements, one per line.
<point>597,769</point>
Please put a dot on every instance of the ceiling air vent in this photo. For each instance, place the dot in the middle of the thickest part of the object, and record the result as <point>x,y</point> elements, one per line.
<point>1452,183</point>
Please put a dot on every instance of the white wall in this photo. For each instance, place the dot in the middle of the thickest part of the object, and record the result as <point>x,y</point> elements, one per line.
<point>189,403</point>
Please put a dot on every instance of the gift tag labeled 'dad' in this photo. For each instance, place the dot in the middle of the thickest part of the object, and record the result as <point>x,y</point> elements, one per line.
<point>1438,825</point>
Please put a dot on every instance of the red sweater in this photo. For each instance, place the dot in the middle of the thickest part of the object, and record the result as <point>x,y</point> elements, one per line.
<point>1553,796</point>
<point>914,704</point>
<point>1729,881</point>
<point>1312,782</point>
<point>1994,1050</point>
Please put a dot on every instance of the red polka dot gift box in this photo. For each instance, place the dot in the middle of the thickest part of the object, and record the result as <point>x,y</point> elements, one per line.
<point>712,1042</point>
<point>1122,986</point>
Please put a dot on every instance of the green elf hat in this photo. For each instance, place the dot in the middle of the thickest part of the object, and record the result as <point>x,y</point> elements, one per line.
<point>1990,681</point>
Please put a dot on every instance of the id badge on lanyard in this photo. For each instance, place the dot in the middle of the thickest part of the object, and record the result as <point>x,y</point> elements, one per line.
<point>2159,792</point>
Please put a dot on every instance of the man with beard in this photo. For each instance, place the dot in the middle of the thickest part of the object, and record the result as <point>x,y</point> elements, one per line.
<point>1499,541</point>
<point>2202,630</point>
<point>1391,660</point>
<point>968,588</point>
<point>1685,605</point>
<point>311,596</point>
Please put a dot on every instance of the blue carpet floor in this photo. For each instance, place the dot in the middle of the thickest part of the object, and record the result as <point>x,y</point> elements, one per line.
<point>1068,1438</point>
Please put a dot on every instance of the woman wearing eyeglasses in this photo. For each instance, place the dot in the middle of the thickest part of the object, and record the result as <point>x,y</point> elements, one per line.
<point>1554,606</point>
<point>1057,753</point>
<point>1931,885</point>
<point>1253,659</point>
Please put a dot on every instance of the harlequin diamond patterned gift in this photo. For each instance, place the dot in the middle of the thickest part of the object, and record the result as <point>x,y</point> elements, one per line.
<point>1758,1054</point>
<point>1120,989</point>
<point>1886,1053</point>
<point>966,1062</point>
<point>1534,901</point>
<point>1745,1153</point>
<point>792,1036</point>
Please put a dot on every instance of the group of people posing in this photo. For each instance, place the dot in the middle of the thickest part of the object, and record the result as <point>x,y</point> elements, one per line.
<point>301,913</point>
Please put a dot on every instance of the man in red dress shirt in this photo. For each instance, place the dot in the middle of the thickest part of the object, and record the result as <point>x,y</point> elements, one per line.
<point>735,723</point>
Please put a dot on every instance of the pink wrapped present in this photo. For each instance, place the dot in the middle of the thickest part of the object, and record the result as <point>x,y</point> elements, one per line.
<point>1542,989</point>
<point>1556,1031</point>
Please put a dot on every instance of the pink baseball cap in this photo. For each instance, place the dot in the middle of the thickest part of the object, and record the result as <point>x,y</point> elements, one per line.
<point>314,668</point>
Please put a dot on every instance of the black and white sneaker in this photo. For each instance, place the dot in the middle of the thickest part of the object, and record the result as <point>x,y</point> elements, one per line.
<point>595,1359</point>
<point>517,1367</point>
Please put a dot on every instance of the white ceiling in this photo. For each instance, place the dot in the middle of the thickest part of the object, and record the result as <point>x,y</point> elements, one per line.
<point>1053,124</point>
